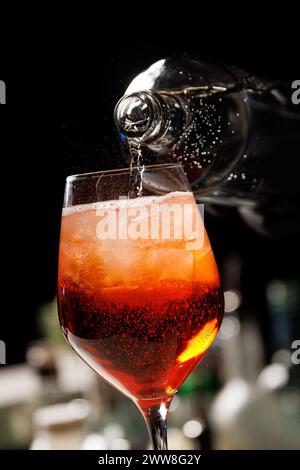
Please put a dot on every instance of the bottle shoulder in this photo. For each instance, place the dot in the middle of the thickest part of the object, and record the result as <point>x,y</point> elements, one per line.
<point>181,72</point>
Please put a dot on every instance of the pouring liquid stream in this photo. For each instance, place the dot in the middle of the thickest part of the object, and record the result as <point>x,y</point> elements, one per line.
<point>136,168</point>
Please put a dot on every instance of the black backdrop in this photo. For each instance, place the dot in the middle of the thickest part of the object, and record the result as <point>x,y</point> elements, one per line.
<point>58,121</point>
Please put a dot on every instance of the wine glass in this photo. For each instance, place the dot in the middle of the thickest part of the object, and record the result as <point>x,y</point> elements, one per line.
<point>139,294</point>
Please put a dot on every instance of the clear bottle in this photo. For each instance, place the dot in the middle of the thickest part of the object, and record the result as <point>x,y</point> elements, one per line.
<point>237,136</point>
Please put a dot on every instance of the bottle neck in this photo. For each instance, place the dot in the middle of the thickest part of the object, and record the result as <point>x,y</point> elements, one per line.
<point>153,118</point>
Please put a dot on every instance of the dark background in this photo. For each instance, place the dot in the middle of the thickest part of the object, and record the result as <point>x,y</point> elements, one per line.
<point>58,121</point>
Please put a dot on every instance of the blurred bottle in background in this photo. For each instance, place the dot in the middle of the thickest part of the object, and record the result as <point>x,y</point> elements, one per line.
<point>258,406</point>
<point>60,427</point>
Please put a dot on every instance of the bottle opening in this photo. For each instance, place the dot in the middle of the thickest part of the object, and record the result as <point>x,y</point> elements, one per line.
<point>140,115</point>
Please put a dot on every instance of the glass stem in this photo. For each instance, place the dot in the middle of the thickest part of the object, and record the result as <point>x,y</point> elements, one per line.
<point>155,414</point>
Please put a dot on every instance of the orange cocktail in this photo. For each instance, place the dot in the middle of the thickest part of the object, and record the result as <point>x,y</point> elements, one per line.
<point>141,311</point>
